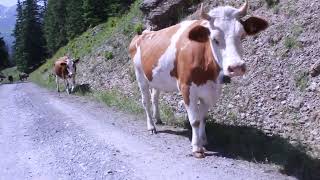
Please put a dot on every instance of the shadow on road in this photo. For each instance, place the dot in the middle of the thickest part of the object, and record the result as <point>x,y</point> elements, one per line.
<point>252,144</point>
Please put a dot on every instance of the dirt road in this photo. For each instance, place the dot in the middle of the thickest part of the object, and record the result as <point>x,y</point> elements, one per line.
<point>44,135</point>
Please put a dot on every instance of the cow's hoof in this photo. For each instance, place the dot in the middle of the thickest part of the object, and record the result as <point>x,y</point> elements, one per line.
<point>203,150</point>
<point>198,155</point>
<point>153,131</point>
<point>159,122</point>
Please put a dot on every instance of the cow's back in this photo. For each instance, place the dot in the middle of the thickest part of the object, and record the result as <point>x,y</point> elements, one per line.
<point>153,44</point>
<point>60,68</point>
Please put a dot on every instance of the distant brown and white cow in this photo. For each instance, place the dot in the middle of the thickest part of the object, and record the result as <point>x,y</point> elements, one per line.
<point>193,57</point>
<point>65,68</point>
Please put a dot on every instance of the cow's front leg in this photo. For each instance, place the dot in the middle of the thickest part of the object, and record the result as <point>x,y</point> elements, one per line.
<point>66,83</point>
<point>73,83</point>
<point>57,82</point>
<point>203,110</point>
<point>155,105</point>
<point>190,101</point>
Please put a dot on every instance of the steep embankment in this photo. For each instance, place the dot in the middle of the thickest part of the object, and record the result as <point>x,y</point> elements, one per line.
<point>269,115</point>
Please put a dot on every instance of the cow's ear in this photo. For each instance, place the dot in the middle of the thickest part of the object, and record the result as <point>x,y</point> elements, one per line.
<point>76,61</point>
<point>199,34</point>
<point>254,25</point>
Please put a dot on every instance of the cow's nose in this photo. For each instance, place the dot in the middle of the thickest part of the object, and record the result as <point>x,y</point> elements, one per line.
<point>237,69</point>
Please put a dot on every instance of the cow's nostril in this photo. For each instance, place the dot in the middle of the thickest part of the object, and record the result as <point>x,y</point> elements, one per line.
<point>243,68</point>
<point>230,69</point>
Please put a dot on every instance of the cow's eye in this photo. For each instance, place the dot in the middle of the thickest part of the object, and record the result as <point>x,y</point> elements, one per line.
<point>216,41</point>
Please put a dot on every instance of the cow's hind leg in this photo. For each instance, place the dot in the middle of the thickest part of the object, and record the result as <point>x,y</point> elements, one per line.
<point>203,110</point>
<point>145,96</point>
<point>57,82</point>
<point>155,105</point>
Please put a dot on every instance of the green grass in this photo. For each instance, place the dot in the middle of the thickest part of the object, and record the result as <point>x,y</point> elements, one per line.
<point>115,98</point>
<point>291,42</point>
<point>13,71</point>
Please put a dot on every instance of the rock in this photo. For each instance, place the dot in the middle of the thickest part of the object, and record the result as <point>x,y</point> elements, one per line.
<point>164,13</point>
<point>297,103</point>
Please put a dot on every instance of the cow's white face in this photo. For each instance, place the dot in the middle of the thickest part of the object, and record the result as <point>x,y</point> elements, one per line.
<point>226,32</point>
<point>71,67</point>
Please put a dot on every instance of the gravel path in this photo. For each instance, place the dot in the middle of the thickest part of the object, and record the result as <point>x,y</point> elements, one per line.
<point>45,135</point>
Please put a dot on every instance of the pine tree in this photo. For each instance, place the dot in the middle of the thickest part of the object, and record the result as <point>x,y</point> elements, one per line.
<point>4,57</point>
<point>74,21</point>
<point>55,25</point>
<point>29,44</point>
<point>90,15</point>
<point>18,43</point>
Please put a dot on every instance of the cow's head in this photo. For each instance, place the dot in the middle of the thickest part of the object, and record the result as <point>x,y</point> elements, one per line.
<point>71,66</point>
<point>226,29</point>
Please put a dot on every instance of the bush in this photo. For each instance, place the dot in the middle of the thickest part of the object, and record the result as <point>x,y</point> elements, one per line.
<point>108,55</point>
<point>138,28</point>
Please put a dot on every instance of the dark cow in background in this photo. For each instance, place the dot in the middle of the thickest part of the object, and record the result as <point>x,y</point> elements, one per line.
<point>10,79</point>
<point>2,77</point>
<point>65,68</point>
<point>23,76</point>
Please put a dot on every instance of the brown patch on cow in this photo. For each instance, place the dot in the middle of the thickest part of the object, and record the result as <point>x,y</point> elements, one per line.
<point>185,92</point>
<point>254,25</point>
<point>194,63</point>
<point>199,34</point>
<point>60,67</point>
<point>153,44</point>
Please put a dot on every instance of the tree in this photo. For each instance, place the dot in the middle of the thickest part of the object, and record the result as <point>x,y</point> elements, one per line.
<point>18,44</point>
<point>30,44</point>
<point>54,25</point>
<point>4,56</point>
<point>92,12</point>
<point>74,21</point>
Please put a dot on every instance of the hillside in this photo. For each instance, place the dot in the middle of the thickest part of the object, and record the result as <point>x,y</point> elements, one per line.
<point>271,114</point>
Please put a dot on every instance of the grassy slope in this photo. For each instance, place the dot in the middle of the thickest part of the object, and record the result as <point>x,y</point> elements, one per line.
<point>84,45</point>
<point>13,71</point>
<point>89,40</point>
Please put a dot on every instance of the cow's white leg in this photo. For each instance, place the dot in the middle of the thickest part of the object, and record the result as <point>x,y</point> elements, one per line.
<point>145,96</point>
<point>155,105</point>
<point>194,119</point>
<point>191,104</point>
<point>66,83</point>
<point>203,110</point>
<point>73,83</point>
<point>57,82</point>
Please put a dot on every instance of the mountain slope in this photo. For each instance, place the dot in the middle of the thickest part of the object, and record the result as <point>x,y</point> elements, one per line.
<point>269,115</point>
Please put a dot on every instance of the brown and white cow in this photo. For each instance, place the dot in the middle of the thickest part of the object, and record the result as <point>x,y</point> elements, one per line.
<point>65,68</point>
<point>193,57</point>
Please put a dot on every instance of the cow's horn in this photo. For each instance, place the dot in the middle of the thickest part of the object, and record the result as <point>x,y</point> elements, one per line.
<point>204,15</point>
<point>243,9</point>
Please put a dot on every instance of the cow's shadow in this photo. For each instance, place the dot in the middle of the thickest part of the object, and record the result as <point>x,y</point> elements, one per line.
<point>82,89</point>
<point>252,144</point>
